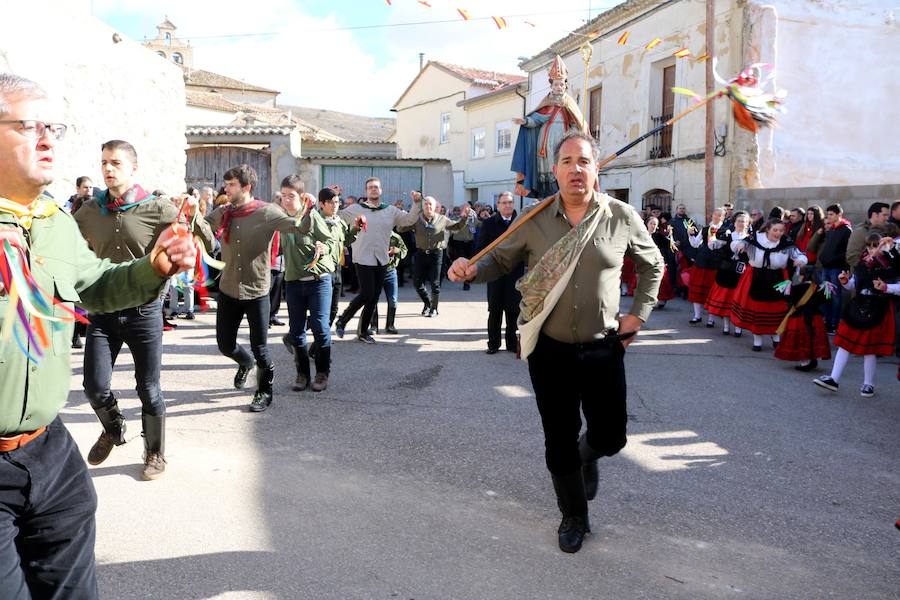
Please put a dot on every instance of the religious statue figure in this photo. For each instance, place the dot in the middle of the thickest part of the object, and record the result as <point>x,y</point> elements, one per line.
<point>556,115</point>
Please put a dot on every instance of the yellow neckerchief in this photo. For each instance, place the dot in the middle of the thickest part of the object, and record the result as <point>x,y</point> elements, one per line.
<point>40,208</point>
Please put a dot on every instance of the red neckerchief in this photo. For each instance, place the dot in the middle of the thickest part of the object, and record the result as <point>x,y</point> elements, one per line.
<point>131,197</point>
<point>236,213</point>
<point>274,255</point>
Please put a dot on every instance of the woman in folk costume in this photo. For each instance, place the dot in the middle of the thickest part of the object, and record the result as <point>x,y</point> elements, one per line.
<point>868,324</point>
<point>758,305</point>
<point>731,265</point>
<point>811,237</point>
<point>540,130</point>
<point>802,331</point>
<point>703,273</point>
<point>664,243</point>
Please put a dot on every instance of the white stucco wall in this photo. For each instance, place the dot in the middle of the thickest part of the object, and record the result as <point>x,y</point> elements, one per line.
<point>108,91</point>
<point>839,62</point>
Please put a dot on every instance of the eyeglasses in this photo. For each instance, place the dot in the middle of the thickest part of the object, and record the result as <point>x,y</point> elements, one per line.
<point>36,129</point>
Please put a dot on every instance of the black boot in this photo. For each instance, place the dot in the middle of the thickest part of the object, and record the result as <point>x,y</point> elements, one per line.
<point>113,431</point>
<point>323,367</point>
<point>373,324</point>
<point>301,362</point>
<point>245,362</point>
<point>435,300</point>
<point>589,471</point>
<point>154,446</point>
<point>263,396</point>
<point>391,315</point>
<point>573,505</point>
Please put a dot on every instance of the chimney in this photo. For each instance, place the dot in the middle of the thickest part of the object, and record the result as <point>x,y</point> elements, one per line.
<point>421,61</point>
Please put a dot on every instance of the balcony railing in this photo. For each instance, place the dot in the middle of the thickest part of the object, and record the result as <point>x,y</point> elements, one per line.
<point>661,143</point>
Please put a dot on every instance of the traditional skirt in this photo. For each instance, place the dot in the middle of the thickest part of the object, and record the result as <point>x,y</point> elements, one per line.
<point>629,275</point>
<point>702,281</point>
<point>719,300</point>
<point>759,317</point>
<point>666,292</point>
<point>878,340</point>
<point>799,343</point>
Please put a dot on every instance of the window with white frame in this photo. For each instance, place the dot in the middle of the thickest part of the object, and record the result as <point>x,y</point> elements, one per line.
<point>478,135</point>
<point>504,137</point>
<point>445,128</point>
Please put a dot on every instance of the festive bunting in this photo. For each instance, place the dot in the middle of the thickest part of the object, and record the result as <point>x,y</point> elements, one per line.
<point>653,44</point>
<point>424,3</point>
<point>500,22</point>
<point>464,14</point>
<point>702,58</point>
<point>529,23</point>
<point>681,53</point>
<point>623,39</point>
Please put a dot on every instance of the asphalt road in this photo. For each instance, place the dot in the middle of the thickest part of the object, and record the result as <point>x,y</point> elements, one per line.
<point>419,474</point>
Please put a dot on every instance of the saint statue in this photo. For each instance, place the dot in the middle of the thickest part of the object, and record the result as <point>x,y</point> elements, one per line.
<point>556,115</point>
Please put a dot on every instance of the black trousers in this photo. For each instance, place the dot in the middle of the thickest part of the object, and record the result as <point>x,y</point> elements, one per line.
<point>229,315</point>
<point>336,285</point>
<point>427,267</point>
<point>371,280</point>
<point>276,293</point>
<point>47,523</point>
<point>570,379</point>
<point>503,300</point>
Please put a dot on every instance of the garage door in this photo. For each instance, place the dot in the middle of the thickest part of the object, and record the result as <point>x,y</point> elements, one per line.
<point>396,182</point>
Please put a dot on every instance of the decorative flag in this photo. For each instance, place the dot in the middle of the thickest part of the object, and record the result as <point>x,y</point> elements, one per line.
<point>424,3</point>
<point>593,34</point>
<point>681,53</point>
<point>529,23</point>
<point>464,14</point>
<point>702,58</point>
<point>500,22</point>
<point>388,2</point>
<point>654,43</point>
<point>623,39</point>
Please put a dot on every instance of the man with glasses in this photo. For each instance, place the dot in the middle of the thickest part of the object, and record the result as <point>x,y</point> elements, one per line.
<point>756,220</point>
<point>502,296</point>
<point>121,224</point>
<point>47,499</point>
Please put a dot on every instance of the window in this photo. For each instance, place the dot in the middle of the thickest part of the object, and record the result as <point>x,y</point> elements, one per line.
<point>176,56</point>
<point>161,53</point>
<point>445,128</point>
<point>596,95</point>
<point>478,135</point>
<point>662,106</point>
<point>504,137</point>
<point>168,38</point>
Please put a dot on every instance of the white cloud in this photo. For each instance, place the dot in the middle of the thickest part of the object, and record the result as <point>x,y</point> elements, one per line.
<point>313,65</point>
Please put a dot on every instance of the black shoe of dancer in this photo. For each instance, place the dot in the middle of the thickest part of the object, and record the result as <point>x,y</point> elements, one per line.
<point>808,366</point>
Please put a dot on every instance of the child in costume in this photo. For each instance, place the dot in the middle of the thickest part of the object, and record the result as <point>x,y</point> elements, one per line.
<point>802,331</point>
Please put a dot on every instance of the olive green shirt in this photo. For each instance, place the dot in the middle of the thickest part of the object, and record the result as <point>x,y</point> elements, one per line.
<point>31,395</point>
<point>300,247</point>
<point>343,235</point>
<point>432,235</point>
<point>121,236</point>
<point>589,306</point>
<point>246,254</point>
<point>396,242</point>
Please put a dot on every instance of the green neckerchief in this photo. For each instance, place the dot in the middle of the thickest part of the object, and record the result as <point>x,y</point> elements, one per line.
<point>366,205</point>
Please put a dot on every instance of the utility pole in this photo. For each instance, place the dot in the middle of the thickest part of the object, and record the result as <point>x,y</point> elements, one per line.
<point>710,154</point>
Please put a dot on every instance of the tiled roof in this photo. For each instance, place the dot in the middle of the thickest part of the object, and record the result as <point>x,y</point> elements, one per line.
<point>353,128</point>
<point>238,129</point>
<point>480,77</point>
<point>199,77</point>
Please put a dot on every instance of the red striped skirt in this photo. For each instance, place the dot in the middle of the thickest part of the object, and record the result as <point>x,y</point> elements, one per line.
<point>666,292</point>
<point>702,281</point>
<point>761,318</point>
<point>719,300</point>
<point>797,344</point>
<point>878,340</point>
<point>629,275</point>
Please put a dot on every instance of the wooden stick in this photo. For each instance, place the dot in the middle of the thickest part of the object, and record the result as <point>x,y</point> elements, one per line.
<point>549,200</point>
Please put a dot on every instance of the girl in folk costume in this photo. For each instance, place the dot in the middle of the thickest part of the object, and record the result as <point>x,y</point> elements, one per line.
<point>731,265</point>
<point>868,324</point>
<point>802,331</point>
<point>758,305</point>
<point>703,273</point>
<point>665,245</point>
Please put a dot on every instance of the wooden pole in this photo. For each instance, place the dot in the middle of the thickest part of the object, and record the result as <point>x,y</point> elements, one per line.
<point>710,154</point>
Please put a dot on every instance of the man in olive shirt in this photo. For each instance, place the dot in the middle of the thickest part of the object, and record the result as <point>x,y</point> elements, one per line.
<point>47,499</point>
<point>577,361</point>
<point>431,241</point>
<point>122,224</point>
<point>245,227</point>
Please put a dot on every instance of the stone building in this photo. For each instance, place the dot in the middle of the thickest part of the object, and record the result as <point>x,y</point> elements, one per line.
<point>462,115</point>
<point>109,87</point>
<point>170,47</point>
<point>841,121</point>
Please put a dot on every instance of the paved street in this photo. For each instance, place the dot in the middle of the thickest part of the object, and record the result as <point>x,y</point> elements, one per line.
<point>419,474</point>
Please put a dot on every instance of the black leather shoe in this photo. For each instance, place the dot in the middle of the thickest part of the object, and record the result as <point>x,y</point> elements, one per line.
<point>571,533</point>
<point>491,351</point>
<point>695,321</point>
<point>757,348</point>
<point>433,312</point>
<point>240,378</point>
<point>426,310</point>
<point>275,321</point>
<point>808,367</point>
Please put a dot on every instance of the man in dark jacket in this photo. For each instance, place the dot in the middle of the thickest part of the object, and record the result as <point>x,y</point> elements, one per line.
<point>502,296</point>
<point>833,258</point>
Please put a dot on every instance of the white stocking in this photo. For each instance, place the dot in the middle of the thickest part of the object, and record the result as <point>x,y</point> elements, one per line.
<point>726,324</point>
<point>698,310</point>
<point>870,361</point>
<point>757,340</point>
<point>840,361</point>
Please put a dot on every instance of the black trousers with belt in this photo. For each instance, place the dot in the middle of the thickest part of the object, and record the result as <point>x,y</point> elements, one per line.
<point>503,300</point>
<point>427,268</point>
<point>571,379</point>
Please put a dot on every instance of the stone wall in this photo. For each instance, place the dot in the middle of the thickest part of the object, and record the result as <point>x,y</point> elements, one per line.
<point>854,199</point>
<point>107,90</point>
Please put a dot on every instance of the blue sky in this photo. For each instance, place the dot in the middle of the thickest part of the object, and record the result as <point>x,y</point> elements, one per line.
<point>315,61</point>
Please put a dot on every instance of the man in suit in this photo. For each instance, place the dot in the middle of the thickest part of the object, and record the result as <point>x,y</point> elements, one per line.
<point>502,296</point>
